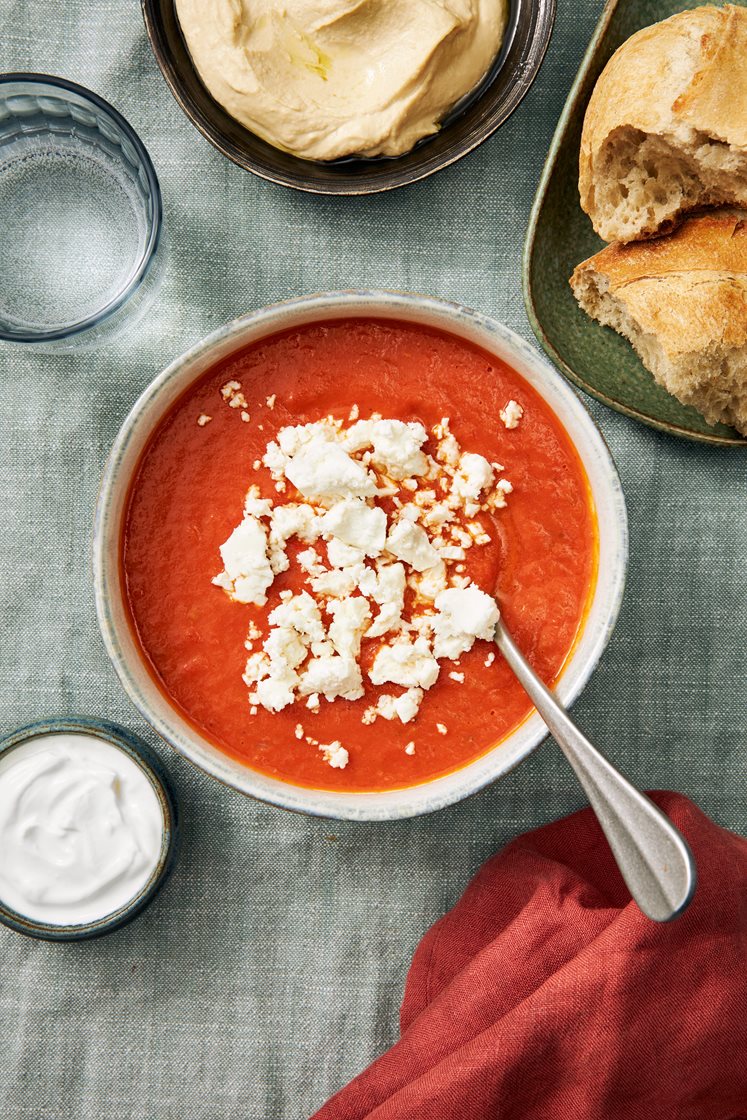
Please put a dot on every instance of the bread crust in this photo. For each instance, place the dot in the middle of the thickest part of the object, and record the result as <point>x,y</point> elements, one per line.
<point>681,300</point>
<point>687,72</point>
<point>689,289</point>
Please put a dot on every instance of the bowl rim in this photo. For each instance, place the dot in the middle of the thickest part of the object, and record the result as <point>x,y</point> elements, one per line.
<point>459,321</point>
<point>543,14</point>
<point>146,759</point>
<point>75,330</point>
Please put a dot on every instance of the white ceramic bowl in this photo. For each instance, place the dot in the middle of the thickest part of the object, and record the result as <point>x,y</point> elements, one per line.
<point>156,401</point>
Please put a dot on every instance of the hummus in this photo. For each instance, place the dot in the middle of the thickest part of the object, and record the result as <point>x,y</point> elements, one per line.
<point>331,78</point>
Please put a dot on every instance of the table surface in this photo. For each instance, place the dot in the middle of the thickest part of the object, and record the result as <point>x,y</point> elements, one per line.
<point>270,969</point>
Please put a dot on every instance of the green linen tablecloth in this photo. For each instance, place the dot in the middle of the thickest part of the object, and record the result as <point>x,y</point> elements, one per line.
<point>270,969</point>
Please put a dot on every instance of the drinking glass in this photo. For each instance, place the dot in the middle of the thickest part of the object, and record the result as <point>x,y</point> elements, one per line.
<point>80,216</point>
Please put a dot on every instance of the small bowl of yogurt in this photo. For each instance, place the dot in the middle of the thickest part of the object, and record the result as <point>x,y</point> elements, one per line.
<point>88,828</point>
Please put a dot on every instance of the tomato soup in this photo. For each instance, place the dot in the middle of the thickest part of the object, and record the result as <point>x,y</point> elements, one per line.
<point>538,556</point>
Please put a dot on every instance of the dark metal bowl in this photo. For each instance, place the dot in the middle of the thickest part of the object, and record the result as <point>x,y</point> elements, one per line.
<point>527,36</point>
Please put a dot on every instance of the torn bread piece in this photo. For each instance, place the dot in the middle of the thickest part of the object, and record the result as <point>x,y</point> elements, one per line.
<point>681,300</point>
<point>665,131</point>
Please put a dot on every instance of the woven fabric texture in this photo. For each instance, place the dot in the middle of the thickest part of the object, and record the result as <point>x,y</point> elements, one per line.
<point>270,969</point>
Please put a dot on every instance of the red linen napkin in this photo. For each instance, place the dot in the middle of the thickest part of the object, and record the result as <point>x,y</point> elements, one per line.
<point>545,994</point>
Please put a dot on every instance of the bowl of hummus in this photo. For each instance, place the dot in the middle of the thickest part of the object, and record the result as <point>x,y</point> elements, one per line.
<point>348,96</point>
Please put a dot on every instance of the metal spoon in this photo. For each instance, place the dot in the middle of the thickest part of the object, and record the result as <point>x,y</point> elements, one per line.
<point>653,857</point>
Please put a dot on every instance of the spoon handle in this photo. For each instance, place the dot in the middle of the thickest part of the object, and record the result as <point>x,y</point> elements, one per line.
<point>653,857</point>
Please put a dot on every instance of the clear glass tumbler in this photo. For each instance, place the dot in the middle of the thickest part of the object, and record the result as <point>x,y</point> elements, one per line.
<point>80,216</point>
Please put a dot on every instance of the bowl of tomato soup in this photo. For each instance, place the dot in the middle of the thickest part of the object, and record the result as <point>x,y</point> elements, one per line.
<point>306,527</point>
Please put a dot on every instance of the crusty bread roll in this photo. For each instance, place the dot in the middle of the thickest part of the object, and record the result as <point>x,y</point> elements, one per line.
<point>666,127</point>
<point>682,302</point>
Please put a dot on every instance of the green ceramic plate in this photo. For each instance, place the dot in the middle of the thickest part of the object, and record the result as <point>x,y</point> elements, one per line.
<point>595,358</point>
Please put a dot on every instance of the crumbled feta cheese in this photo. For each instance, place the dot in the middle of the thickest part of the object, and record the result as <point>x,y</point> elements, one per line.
<point>448,450</point>
<point>410,748</point>
<point>324,471</point>
<point>254,506</point>
<point>462,615</point>
<point>397,448</point>
<point>292,520</point>
<point>511,414</point>
<point>335,754</point>
<point>232,395</point>
<point>338,582</point>
<point>406,662</point>
<point>386,587</point>
<point>441,728</point>
<point>285,646</point>
<point>274,460</point>
<point>342,473</point>
<point>270,402</point>
<point>277,691</point>
<point>396,445</point>
<point>389,618</point>
<point>489,659</point>
<point>422,624</point>
<point>291,439</point>
<point>349,617</point>
<point>461,537</point>
<point>425,497</point>
<point>357,524</point>
<point>385,707</point>
<point>439,513</point>
<point>404,707</point>
<point>358,436</point>
<point>246,570</point>
<point>294,437</point>
<point>203,419</point>
<point>354,413</point>
<point>245,416</point>
<point>286,521</point>
<point>300,613</point>
<point>451,552</point>
<point>341,555</point>
<point>410,543</point>
<point>431,582</point>
<point>473,475</point>
<point>299,731</point>
<point>257,666</point>
<point>311,562</point>
<point>332,675</point>
<point>408,704</point>
<point>409,512</point>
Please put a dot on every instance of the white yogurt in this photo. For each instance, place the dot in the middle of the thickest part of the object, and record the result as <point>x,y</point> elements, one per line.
<point>81,828</point>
